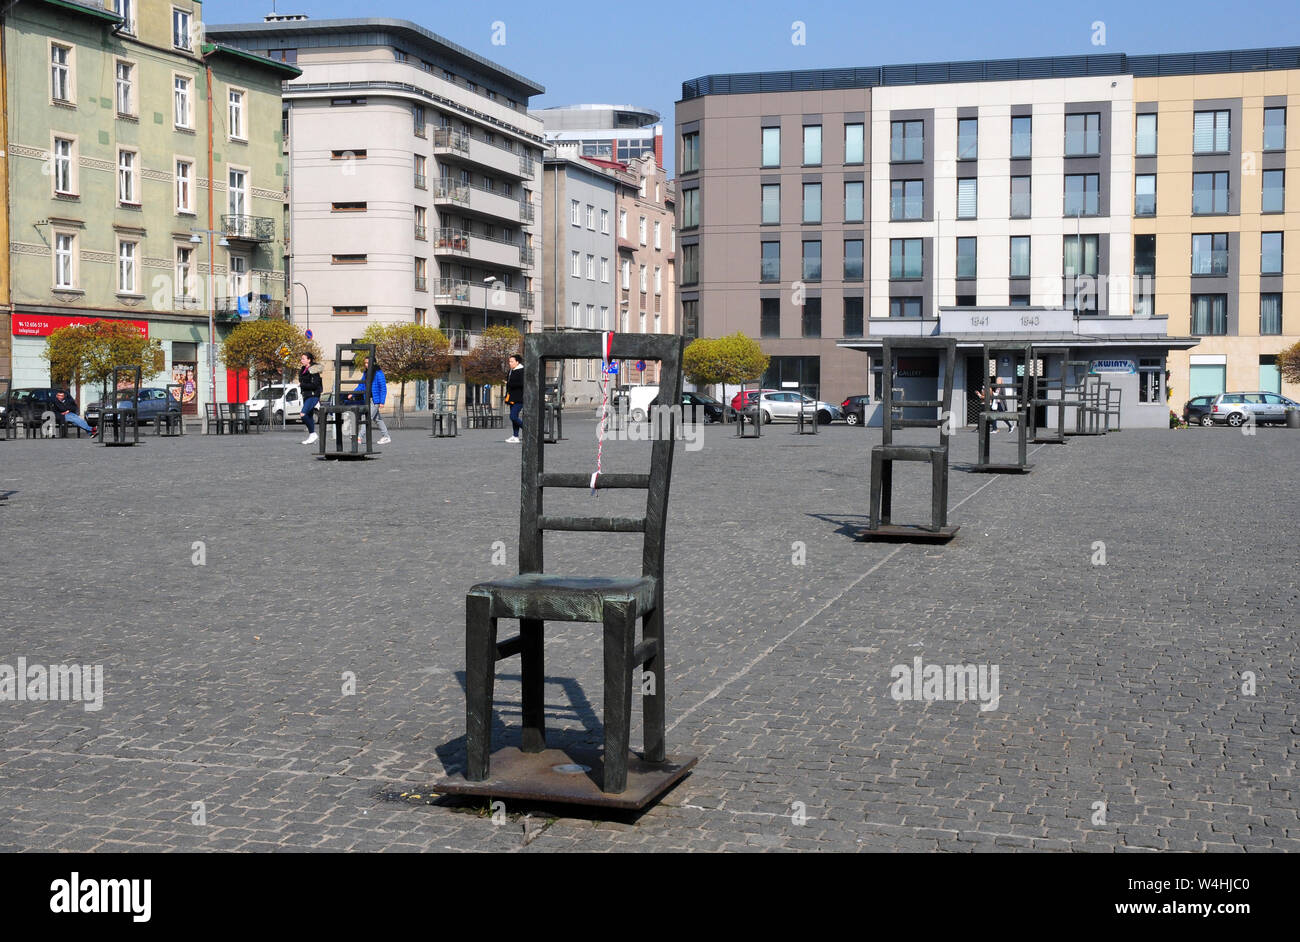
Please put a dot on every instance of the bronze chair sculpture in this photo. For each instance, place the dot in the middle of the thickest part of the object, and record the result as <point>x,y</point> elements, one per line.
<point>1013,392</point>
<point>356,412</point>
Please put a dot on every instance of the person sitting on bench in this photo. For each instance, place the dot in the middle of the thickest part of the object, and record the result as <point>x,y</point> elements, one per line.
<point>66,409</point>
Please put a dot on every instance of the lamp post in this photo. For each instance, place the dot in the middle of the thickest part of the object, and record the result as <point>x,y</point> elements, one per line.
<point>196,237</point>
<point>487,282</point>
<point>307,308</point>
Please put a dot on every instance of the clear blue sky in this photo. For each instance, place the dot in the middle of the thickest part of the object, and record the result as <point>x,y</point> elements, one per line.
<point>639,54</point>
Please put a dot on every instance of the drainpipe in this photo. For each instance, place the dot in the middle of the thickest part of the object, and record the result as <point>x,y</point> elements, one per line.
<point>212,301</point>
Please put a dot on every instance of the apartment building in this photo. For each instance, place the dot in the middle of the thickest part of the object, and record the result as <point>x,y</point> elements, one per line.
<point>816,204</point>
<point>646,240</point>
<point>145,178</point>
<point>414,170</point>
<point>621,133</point>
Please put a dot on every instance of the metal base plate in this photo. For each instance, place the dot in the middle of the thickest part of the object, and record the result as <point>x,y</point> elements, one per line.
<point>347,456</point>
<point>995,468</point>
<point>539,776</point>
<point>907,532</point>
<point>1049,441</point>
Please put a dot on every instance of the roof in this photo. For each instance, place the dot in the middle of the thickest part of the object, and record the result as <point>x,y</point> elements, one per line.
<point>996,70</point>
<point>1045,338</point>
<point>86,8</point>
<point>412,31</point>
<point>288,71</point>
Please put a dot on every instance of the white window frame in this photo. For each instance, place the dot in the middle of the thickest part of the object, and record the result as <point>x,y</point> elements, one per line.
<point>659,280</point>
<point>575,264</point>
<point>622,223</point>
<point>604,318</point>
<point>71,165</point>
<point>604,222</point>
<point>642,278</point>
<point>236,117</point>
<point>131,286</point>
<point>68,70</point>
<point>128,176</point>
<point>659,242</point>
<point>591,318</point>
<point>591,267</point>
<point>575,212</point>
<point>641,229</point>
<point>604,269</point>
<point>246,190</point>
<point>72,256</point>
<point>627,274</point>
<point>126,10</point>
<point>188,23</point>
<point>591,217</point>
<point>188,82</point>
<point>237,281</point>
<point>128,108</point>
<point>186,207</point>
<point>575,319</point>
<point>641,189</point>
<point>187,278</point>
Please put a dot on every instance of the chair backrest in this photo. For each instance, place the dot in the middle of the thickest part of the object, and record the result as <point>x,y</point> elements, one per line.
<point>892,347</point>
<point>1016,387</point>
<point>533,521</point>
<point>344,354</point>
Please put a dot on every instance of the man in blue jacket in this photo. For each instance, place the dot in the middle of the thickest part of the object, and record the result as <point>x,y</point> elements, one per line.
<point>378,396</point>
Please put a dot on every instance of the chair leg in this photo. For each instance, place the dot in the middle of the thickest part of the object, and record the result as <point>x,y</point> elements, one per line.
<point>480,677</point>
<point>619,620</point>
<point>652,702</point>
<point>877,469</point>
<point>886,490</point>
<point>532,667</point>
<point>938,493</point>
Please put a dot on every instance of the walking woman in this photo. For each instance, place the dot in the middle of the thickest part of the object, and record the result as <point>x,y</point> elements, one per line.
<point>309,385</point>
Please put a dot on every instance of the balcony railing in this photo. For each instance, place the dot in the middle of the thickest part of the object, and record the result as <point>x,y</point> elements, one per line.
<point>526,257</point>
<point>526,301</point>
<point>185,303</point>
<point>256,307</point>
<point>451,240</point>
<point>526,213</point>
<point>248,228</point>
<point>445,188</point>
<point>463,341</point>
<point>451,291</point>
<point>527,166</point>
<point>450,139</point>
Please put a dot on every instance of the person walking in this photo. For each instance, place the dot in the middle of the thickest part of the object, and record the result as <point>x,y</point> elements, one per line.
<point>309,385</point>
<point>515,396</point>
<point>378,396</point>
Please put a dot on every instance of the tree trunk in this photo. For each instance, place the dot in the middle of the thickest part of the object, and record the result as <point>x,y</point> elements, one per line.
<point>400,412</point>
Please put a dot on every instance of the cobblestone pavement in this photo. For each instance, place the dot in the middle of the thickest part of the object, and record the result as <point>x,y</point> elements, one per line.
<point>1120,683</point>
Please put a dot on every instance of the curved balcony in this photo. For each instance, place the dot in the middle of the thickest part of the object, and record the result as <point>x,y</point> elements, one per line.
<point>248,228</point>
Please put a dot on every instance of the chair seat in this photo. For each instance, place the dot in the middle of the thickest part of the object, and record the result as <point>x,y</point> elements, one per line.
<point>909,452</point>
<point>564,598</point>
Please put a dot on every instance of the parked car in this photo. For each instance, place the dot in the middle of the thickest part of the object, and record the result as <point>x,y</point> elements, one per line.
<point>787,405</point>
<point>1263,407</point>
<point>153,401</point>
<point>30,404</point>
<point>285,403</point>
<point>745,397</point>
<point>697,407</point>
<point>855,409</point>
<point>1196,411</point>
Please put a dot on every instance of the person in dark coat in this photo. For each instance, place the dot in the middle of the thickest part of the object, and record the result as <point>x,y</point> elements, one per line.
<point>515,396</point>
<point>309,385</point>
<point>66,409</point>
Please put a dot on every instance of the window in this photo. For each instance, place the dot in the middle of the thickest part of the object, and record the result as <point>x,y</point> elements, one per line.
<point>421,217</point>
<point>641,188</point>
<point>812,202</point>
<point>1144,270</point>
<point>575,264</point>
<point>1021,197</point>
<point>1209,193</point>
<point>1270,253</point>
<point>640,229</point>
<point>769,317</point>
<point>184,186</point>
<point>1018,300</point>
<point>604,269</point>
<point>1081,194</point>
<point>128,188</point>
<point>1274,129</point>
<point>1274,192</point>
<point>811,318</point>
<point>237,192</point>
<point>690,152</point>
<point>575,319</point>
<point>591,217</point>
<point>812,145</point>
<point>591,322</point>
<point>771,202</point>
<point>1210,132</point>
<point>61,72</point>
<point>125,88</point>
<point>853,267</point>
<point>812,260</point>
<point>1020,256</point>
<point>604,217</point>
<point>65,256</point>
<point>967,138</point>
<point>659,239</point>
<point>347,155</point>
<point>236,114</point>
<point>1080,255</point>
<point>1270,314</point>
<point>591,268</point>
<point>1145,143</point>
<point>422,174</point>
<point>691,319</point>
<point>1209,314</point>
<point>905,258</point>
<point>854,149</point>
<point>181,102</point>
<point>181,29</point>
<point>1021,136</point>
<point>417,120</point>
<point>1210,254</point>
<point>1082,135</point>
<point>771,147</point>
<point>906,141</point>
<point>622,223</point>
<point>853,317</point>
<point>904,307</point>
<point>126,10</point>
<point>184,272</point>
<point>853,201</point>
<point>967,197</point>
<point>349,310</point>
<point>770,264</point>
<point>690,264</point>
<point>575,212</point>
<point>64,166</point>
<point>126,280</point>
<point>691,208</point>
<point>966,257</point>
<point>906,199</point>
<point>641,280</point>
<point>1144,194</point>
<point>351,259</point>
<point>659,280</point>
<point>627,274</point>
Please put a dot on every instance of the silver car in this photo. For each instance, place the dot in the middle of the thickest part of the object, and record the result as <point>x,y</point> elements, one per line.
<point>1237,409</point>
<point>786,405</point>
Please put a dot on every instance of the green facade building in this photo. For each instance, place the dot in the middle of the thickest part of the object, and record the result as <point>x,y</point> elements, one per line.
<point>119,115</point>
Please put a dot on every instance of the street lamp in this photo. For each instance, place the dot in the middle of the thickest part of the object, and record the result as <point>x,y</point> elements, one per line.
<point>307,308</point>
<point>196,238</point>
<point>489,280</point>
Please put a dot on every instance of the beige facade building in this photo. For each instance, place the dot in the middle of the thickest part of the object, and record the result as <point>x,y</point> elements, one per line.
<point>646,238</point>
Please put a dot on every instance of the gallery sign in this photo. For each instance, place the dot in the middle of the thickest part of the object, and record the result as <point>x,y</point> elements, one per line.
<point>42,325</point>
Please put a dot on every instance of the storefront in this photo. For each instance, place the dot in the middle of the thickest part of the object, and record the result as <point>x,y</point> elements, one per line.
<point>1129,353</point>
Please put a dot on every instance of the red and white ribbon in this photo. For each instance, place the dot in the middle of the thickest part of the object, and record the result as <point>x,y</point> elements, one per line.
<point>606,347</point>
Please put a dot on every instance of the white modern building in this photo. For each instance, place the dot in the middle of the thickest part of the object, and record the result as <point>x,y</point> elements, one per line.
<point>621,133</point>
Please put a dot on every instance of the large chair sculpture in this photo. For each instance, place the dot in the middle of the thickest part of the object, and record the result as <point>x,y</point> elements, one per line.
<point>355,413</point>
<point>1013,393</point>
<point>887,452</point>
<point>807,423</point>
<point>170,421</point>
<point>446,400</point>
<point>536,596</point>
<point>7,418</point>
<point>119,406</point>
<point>1085,396</point>
<point>1041,390</point>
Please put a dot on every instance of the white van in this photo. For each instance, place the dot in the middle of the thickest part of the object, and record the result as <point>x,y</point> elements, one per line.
<point>286,402</point>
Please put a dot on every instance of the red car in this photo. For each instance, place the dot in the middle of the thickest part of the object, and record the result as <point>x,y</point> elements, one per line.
<point>746,398</point>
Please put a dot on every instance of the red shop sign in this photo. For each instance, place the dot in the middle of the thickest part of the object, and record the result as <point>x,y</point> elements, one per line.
<point>42,325</point>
